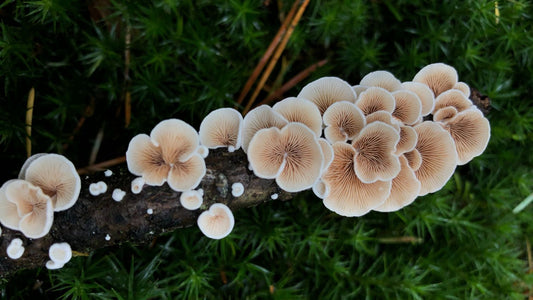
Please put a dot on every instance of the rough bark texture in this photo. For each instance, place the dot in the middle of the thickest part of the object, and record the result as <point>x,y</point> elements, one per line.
<point>87,223</point>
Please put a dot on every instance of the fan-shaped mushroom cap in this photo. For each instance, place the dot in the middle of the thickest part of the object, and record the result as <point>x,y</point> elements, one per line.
<point>137,185</point>
<point>217,222</point>
<point>60,253</point>
<point>375,99</point>
<point>414,159</point>
<point>463,87</point>
<point>404,190</point>
<point>439,77</point>
<point>347,195</point>
<point>320,189</point>
<point>343,120</point>
<point>292,155</point>
<point>34,208</point>
<point>408,106</point>
<point>191,200</point>
<point>385,117</point>
<point>358,89</point>
<point>222,128</point>
<point>327,90</point>
<point>471,133</point>
<point>9,216</point>
<point>57,177</point>
<point>374,158</point>
<point>15,250</point>
<point>29,160</point>
<point>407,141</point>
<point>445,114</point>
<point>259,118</point>
<point>453,98</point>
<point>327,151</point>
<point>439,158</point>
<point>300,110</point>
<point>382,79</point>
<point>424,93</point>
<point>203,151</point>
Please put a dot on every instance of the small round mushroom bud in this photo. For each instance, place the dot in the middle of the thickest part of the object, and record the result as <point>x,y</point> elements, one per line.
<point>424,93</point>
<point>292,155</point>
<point>438,77</point>
<point>203,151</point>
<point>471,132</point>
<point>385,117</point>
<point>327,90</point>
<point>102,187</point>
<point>445,114</point>
<point>222,128</point>
<point>343,120</point>
<point>118,195</point>
<point>374,158</point>
<point>108,173</point>
<point>463,87</point>
<point>274,196</point>
<point>414,159</point>
<point>382,79</point>
<point>137,185</point>
<point>259,118</point>
<point>407,141</point>
<point>217,222</point>
<point>57,177</point>
<point>404,190</point>
<point>300,110</point>
<point>237,189</point>
<point>408,107</point>
<point>453,98</point>
<point>439,158</point>
<point>15,250</point>
<point>22,173</point>
<point>60,253</point>
<point>375,99</point>
<point>34,208</point>
<point>347,195</point>
<point>191,200</point>
<point>9,216</point>
<point>94,189</point>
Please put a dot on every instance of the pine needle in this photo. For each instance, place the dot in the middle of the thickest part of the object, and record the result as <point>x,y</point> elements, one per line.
<point>29,117</point>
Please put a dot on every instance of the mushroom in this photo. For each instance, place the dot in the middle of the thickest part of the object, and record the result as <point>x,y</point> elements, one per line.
<point>259,118</point>
<point>300,110</point>
<point>407,141</point>
<point>320,189</point>
<point>404,190</point>
<point>414,159</point>
<point>453,98</point>
<point>471,132</point>
<point>29,160</point>
<point>203,151</point>
<point>438,77</point>
<point>375,99</point>
<point>358,89</point>
<point>108,173</point>
<point>34,208</point>
<point>327,90</point>
<point>9,216</point>
<point>463,87</point>
<point>347,195</point>
<point>444,114</point>
<point>382,79</point>
<point>439,158</point>
<point>217,222</point>
<point>408,107</point>
<point>327,151</point>
<point>374,157</point>
<point>60,254</point>
<point>57,177</point>
<point>168,154</point>
<point>237,189</point>
<point>385,117</point>
<point>15,250</point>
<point>137,185</point>
<point>191,200</point>
<point>343,120</point>
<point>118,195</point>
<point>291,155</point>
<point>424,93</point>
<point>222,128</point>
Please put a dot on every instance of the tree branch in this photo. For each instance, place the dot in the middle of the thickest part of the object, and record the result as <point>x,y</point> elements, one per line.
<point>86,225</point>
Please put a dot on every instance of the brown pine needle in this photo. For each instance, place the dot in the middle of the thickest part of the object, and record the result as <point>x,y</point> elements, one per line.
<point>103,165</point>
<point>401,240</point>
<point>29,117</point>
<point>276,56</point>
<point>127,94</point>
<point>292,82</point>
<point>268,53</point>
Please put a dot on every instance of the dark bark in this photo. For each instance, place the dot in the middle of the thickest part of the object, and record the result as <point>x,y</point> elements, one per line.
<point>87,223</point>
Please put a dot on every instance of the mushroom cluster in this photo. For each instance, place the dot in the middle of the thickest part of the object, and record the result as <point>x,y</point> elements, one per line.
<point>47,183</point>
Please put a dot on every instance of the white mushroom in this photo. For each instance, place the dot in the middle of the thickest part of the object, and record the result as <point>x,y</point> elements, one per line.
<point>191,200</point>
<point>237,189</point>
<point>15,250</point>
<point>137,185</point>
<point>60,253</point>
<point>217,222</point>
<point>118,195</point>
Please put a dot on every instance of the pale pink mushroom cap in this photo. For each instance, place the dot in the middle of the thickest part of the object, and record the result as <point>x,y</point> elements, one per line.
<point>191,200</point>
<point>471,132</point>
<point>424,93</point>
<point>463,87</point>
<point>385,117</point>
<point>259,118</point>
<point>326,91</point>
<point>34,208</point>
<point>445,114</point>
<point>414,159</point>
<point>382,79</point>
<point>374,158</point>
<point>320,189</point>
<point>29,160</point>
<point>343,120</point>
<point>327,151</point>
<point>408,107</point>
<point>292,155</point>
<point>57,177</point>
<point>221,128</point>
<point>375,99</point>
<point>60,253</point>
<point>438,77</point>
<point>347,195</point>
<point>404,190</point>
<point>9,216</point>
<point>407,141</point>
<point>453,98</point>
<point>217,222</point>
<point>439,158</point>
<point>300,110</point>
<point>358,89</point>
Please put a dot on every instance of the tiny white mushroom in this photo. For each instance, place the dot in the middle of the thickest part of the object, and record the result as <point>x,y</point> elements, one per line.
<point>108,173</point>
<point>60,253</point>
<point>107,237</point>
<point>191,200</point>
<point>51,265</point>
<point>149,211</point>
<point>204,151</point>
<point>102,186</point>
<point>217,222</point>
<point>274,196</point>
<point>15,249</point>
<point>118,195</point>
<point>237,189</point>
<point>137,185</point>
<point>94,189</point>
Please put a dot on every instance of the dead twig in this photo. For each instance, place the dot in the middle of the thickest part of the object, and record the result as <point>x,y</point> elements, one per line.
<point>29,117</point>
